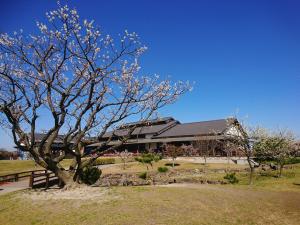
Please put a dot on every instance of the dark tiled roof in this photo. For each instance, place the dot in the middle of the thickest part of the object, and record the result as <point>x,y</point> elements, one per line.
<point>40,136</point>
<point>60,138</point>
<point>197,128</point>
<point>168,128</point>
<point>150,129</point>
<point>156,121</point>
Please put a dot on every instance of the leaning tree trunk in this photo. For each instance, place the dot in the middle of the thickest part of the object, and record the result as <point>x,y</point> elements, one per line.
<point>251,171</point>
<point>69,178</point>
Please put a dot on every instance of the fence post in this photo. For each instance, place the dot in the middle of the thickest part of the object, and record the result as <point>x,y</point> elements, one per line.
<point>47,179</point>
<point>16,177</point>
<point>31,179</point>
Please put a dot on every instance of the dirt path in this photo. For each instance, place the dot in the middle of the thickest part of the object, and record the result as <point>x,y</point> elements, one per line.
<point>14,186</point>
<point>24,184</point>
<point>108,165</point>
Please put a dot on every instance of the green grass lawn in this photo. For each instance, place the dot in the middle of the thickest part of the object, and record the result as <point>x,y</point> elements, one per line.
<point>194,204</point>
<point>270,200</point>
<point>138,167</point>
<point>16,166</point>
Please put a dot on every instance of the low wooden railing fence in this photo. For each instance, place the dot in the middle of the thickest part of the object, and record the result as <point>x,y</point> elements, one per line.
<point>45,179</point>
<point>16,176</point>
<point>37,178</point>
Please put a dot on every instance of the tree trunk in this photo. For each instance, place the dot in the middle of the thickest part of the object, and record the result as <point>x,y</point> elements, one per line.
<point>251,175</point>
<point>228,161</point>
<point>280,170</point>
<point>251,171</point>
<point>67,177</point>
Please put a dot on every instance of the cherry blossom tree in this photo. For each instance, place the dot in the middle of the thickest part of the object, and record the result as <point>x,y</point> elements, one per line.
<point>82,80</point>
<point>174,151</point>
<point>243,141</point>
<point>124,156</point>
<point>278,146</point>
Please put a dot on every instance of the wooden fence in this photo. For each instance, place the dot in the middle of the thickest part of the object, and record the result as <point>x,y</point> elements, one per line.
<point>37,178</point>
<point>45,179</point>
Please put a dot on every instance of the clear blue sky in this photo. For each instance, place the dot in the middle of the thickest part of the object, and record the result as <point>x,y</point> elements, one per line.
<point>243,55</point>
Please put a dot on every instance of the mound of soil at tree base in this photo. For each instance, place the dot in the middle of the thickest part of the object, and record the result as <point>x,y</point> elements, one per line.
<point>82,192</point>
<point>155,178</point>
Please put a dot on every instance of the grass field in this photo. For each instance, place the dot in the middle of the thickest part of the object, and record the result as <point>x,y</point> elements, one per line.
<point>270,200</point>
<point>189,204</point>
<point>15,166</point>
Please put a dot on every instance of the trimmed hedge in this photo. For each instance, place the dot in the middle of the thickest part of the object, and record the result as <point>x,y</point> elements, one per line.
<point>143,175</point>
<point>162,169</point>
<point>104,161</point>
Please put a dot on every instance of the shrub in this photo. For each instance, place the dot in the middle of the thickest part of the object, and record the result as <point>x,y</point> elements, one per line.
<point>231,178</point>
<point>148,159</point>
<point>143,175</point>
<point>90,175</point>
<point>104,161</point>
<point>162,169</point>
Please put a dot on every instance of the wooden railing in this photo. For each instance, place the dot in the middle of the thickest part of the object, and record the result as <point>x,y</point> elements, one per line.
<point>45,179</point>
<point>16,176</point>
<point>37,178</point>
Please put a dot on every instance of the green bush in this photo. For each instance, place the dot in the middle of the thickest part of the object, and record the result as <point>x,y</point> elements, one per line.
<point>148,159</point>
<point>104,161</point>
<point>143,175</point>
<point>162,169</point>
<point>90,175</point>
<point>231,178</point>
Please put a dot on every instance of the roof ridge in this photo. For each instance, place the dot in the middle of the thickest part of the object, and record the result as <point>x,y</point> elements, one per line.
<point>204,121</point>
<point>171,125</point>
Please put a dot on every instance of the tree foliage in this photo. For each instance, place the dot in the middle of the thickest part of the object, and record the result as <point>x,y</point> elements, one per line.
<point>174,151</point>
<point>148,159</point>
<point>124,156</point>
<point>276,146</point>
<point>81,80</point>
<point>243,141</point>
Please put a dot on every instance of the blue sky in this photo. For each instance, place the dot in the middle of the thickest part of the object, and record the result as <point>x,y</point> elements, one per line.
<point>243,55</point>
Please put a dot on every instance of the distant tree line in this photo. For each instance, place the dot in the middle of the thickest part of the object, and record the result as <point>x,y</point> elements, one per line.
<point>259,146</point>
<point>7,155</point>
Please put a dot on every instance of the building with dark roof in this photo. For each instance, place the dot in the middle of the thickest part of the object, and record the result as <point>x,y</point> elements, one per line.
<point>153,135</point>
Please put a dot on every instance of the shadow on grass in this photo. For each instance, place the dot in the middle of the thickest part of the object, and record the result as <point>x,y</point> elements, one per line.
<point>171,164</point>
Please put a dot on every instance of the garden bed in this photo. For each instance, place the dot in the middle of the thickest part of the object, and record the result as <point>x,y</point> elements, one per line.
<point>156,178</point>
